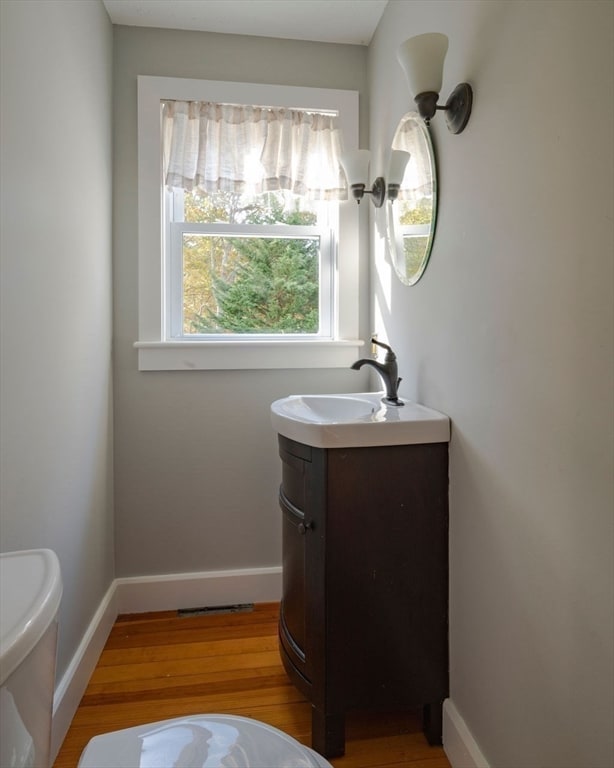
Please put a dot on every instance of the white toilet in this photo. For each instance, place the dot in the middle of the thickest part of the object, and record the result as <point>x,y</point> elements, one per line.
<point>200,740</point>
<point>30,592</point>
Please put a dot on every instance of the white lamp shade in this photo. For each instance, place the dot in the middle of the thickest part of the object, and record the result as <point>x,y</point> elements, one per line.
<point>422,60</point>
<point>356,166</point>
<point>396,168</point>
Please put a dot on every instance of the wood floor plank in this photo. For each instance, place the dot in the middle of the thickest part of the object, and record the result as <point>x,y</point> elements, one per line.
<point>184,667</point>
<point>156,636</point>
<point>190,650</point>
<point>212,682</point>
<point>159,666</point>
<point>115,712</point>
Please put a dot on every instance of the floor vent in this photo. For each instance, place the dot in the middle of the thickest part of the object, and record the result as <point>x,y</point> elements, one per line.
<point>215,609</point>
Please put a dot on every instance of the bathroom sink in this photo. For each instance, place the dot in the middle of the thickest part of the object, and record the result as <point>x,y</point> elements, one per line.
<point>357,420</point>
<point>330,409</point>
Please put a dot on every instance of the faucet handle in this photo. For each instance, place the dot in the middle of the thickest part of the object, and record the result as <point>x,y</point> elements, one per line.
<point>389,353</point>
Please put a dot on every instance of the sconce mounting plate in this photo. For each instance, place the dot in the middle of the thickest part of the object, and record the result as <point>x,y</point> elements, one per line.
<point>378,192</point>
<point>458,108</point>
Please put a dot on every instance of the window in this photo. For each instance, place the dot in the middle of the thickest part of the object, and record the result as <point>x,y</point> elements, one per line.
<point>243,264</point>
<point>242,279</point>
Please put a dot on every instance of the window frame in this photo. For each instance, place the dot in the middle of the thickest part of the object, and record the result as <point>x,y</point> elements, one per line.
<point>156,351</point>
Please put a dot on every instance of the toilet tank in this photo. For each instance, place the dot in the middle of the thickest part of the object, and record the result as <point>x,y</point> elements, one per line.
<point>30,592</point>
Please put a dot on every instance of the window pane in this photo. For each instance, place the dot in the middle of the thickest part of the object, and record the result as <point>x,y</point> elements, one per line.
<point>230,208</point>
<point>250,284</point>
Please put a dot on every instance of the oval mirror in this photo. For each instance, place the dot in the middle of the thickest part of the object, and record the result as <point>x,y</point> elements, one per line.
<point>410,219</point>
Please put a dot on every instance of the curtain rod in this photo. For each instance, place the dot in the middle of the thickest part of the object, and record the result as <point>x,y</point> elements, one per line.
<point>330,112</point>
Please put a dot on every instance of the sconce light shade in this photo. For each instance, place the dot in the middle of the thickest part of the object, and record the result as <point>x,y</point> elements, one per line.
<point>396,171</point>
<point>422,58</point>
<point>398,163</point>
<point>356,166</point>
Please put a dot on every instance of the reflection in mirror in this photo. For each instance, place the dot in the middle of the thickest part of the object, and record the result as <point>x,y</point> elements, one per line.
<point>410,219</point>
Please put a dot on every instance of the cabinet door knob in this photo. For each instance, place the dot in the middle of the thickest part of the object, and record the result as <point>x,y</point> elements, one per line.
<point>304,527</point>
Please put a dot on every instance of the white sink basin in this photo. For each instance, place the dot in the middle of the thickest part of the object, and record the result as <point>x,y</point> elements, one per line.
<point>357,420</point>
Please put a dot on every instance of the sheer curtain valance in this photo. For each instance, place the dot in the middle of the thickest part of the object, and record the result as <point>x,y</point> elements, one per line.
<point>251,149</point>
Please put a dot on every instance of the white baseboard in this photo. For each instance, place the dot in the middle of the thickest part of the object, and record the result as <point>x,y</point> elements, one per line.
<point>459,745</point>
<point>70,689</point>
<point>140,594</point>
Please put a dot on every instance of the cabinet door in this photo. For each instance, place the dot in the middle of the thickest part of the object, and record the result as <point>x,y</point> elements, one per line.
<point>293,579</point>
<point>292,499</point>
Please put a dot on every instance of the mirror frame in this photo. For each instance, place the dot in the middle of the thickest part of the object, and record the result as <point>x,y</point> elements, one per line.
<point>422,152</point>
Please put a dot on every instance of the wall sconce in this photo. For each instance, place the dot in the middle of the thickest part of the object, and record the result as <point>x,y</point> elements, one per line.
<point>356,167</point>
<point>422,60</point>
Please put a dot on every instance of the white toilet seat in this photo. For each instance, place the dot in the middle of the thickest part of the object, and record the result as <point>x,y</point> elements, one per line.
<point>200,741</point>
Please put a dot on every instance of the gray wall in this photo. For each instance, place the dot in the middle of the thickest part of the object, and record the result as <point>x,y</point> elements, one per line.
<point>196,465</point>
<point>56,296</point>
<point>510,332</point>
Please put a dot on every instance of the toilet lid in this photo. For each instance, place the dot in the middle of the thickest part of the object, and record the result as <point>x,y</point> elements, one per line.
<point>200,741</point>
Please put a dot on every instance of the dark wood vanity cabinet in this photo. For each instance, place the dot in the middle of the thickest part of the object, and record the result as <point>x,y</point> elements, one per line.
<point>364,612</point>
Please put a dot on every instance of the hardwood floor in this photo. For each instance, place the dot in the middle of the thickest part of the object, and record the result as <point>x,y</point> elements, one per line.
<point>161,665</point>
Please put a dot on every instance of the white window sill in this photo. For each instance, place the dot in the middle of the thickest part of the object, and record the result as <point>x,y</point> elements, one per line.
<point>246,355</point>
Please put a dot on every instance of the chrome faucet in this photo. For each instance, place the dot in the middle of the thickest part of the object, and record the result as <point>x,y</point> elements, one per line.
<point>388,370</point>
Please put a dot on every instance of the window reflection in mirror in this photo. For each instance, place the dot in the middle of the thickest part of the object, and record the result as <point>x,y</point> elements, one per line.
<point>410,219</point>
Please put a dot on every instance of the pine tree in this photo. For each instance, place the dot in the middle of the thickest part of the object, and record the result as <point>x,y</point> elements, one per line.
<point>273,286</point>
